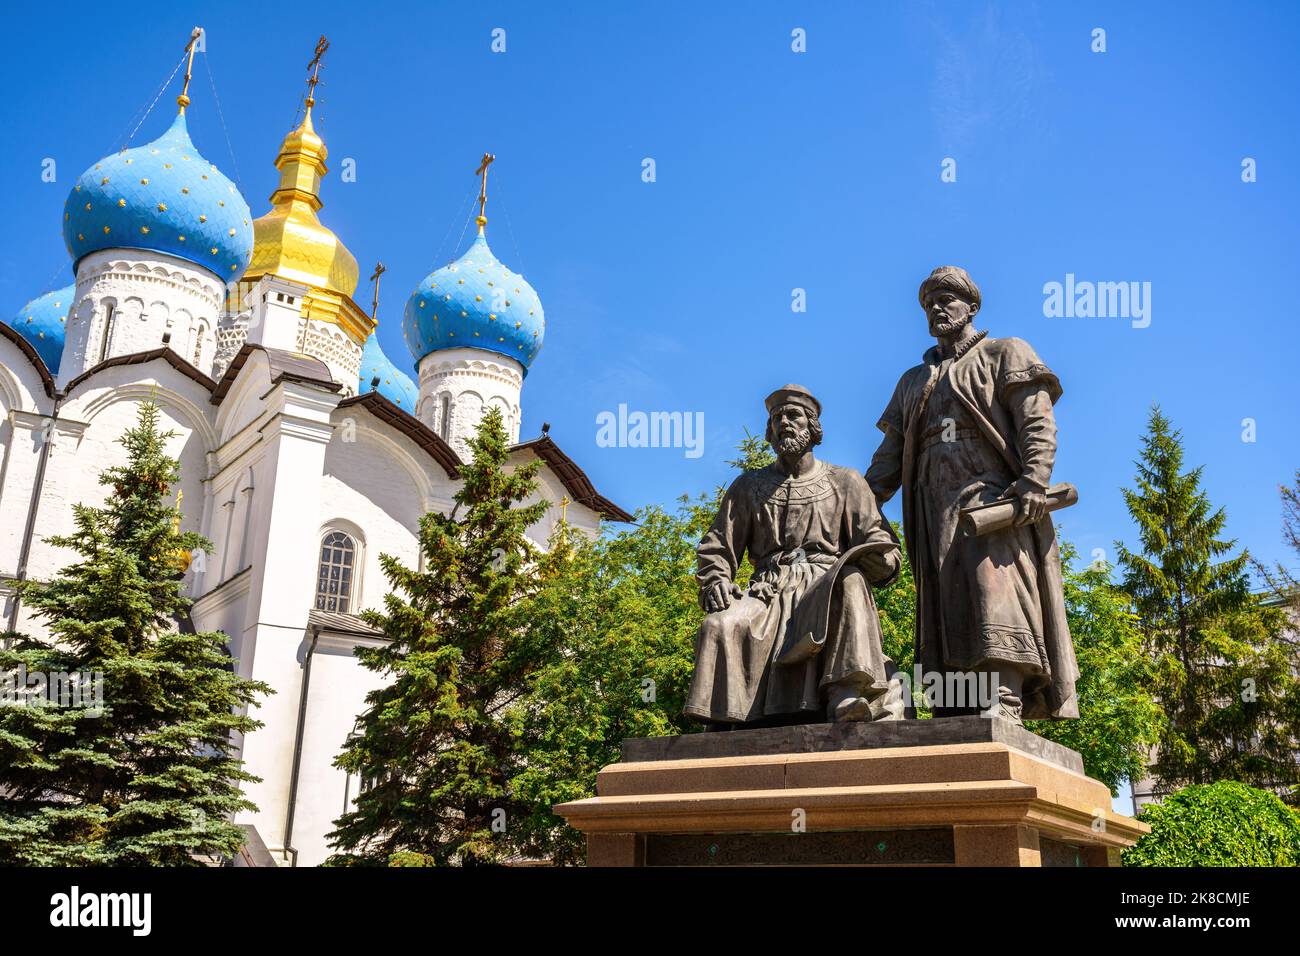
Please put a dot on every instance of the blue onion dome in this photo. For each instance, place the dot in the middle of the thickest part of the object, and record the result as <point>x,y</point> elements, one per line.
<point>475,302</point>
<point>380,375</point>
<point>41,323</point>
<point>163,197</point>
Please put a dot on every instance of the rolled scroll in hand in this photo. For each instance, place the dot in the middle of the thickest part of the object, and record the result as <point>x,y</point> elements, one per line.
<point>1001,514</point>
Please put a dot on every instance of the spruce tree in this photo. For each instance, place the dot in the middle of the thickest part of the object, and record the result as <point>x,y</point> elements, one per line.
<point>1221,673</point>
<point>436,746</point>
<point>140,770</point>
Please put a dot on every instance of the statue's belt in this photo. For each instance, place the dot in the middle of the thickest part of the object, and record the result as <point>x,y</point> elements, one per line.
<point>775,562</point>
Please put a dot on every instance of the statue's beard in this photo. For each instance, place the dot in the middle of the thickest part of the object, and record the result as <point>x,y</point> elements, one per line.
<point>940,329</point>
<point>793,446</point>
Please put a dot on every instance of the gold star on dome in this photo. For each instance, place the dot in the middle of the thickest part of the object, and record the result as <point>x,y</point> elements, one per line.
<point>478,298</point>
<point>144,182</point>
<point>492,315</point>
<point>104,181</point>
<point>80,237</point>
<point>185,190</point>
<point>167,165</point>
<point>121,202</point>
<point>203,218</point>
<point>181,238</point>
<point>214,250</point>
<point>128,162</point>
<point>162,207</point>
<point>87,207</point>
<point>221,202</point>
<point>144,230</point>
<point>232,232</point>
<point>518,325</point>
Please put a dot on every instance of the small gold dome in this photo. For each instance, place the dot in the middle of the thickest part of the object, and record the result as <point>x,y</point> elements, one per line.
<point>290,241</point>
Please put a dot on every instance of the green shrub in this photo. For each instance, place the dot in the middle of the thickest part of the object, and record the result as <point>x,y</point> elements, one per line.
<point>1218,824</point>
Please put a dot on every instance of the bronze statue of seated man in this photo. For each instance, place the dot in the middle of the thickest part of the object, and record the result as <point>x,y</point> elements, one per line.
<point>802,643</point>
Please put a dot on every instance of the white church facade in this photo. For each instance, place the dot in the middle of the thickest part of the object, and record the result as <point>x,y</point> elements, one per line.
<point>305,452</point>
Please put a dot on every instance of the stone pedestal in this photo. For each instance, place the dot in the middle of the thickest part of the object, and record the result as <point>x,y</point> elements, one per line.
<point>959,791</point>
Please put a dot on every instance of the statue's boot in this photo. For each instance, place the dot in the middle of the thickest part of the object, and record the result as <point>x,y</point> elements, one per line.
<point>845,701</point>
<point>1009,683</point>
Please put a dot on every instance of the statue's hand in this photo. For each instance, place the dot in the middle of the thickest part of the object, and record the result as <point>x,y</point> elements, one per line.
<point>1031,501</point>
<point>718,597</point>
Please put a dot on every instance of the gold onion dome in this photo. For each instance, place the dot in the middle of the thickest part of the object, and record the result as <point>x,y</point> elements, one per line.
<point>290,241</point>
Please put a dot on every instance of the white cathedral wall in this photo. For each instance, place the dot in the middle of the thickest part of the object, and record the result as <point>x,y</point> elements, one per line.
<point>376,487</point>
<point>336,697</point>
<point>85,441</point>
<point>24,418</point>
<point>151,295</point>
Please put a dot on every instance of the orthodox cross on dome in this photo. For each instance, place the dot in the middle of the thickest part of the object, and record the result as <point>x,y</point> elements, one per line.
<point>564,509</point>
<point>488,160</point>
<point>314,66</point>
<point>184,99</point>
<point>374,277</point>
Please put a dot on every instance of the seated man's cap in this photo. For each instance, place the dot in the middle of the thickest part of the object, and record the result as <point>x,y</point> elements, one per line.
<point>793,395</point>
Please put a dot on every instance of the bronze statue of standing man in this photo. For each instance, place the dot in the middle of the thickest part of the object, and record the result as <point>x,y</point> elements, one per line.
<point>802,643</point>
<point>973,423</point>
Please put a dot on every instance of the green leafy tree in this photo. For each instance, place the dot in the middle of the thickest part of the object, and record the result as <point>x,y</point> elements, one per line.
<point>629,611</point>
<point>1221,671</point>
<point>141,771</point>
<point>755,454</point>
<point>1118,719</point>
<point>1219,824</point>
<point>1282,580</point>
<point>437,746</point>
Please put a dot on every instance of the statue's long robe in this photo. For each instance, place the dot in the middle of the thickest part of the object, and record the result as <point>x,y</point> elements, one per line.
<point>959,433</point>
<point>817,544</point>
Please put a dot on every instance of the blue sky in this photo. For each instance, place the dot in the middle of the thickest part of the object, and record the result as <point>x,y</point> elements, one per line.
<point>775,170</point>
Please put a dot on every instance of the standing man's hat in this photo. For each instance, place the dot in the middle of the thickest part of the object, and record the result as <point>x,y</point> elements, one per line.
<point>793,395</point>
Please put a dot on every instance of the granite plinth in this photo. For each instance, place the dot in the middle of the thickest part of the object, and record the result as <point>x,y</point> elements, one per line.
<point>962,791</point>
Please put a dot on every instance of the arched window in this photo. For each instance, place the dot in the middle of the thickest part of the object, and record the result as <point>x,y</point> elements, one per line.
<point>338,553</point>
<point>444,422</point>
<point>107,337</point>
